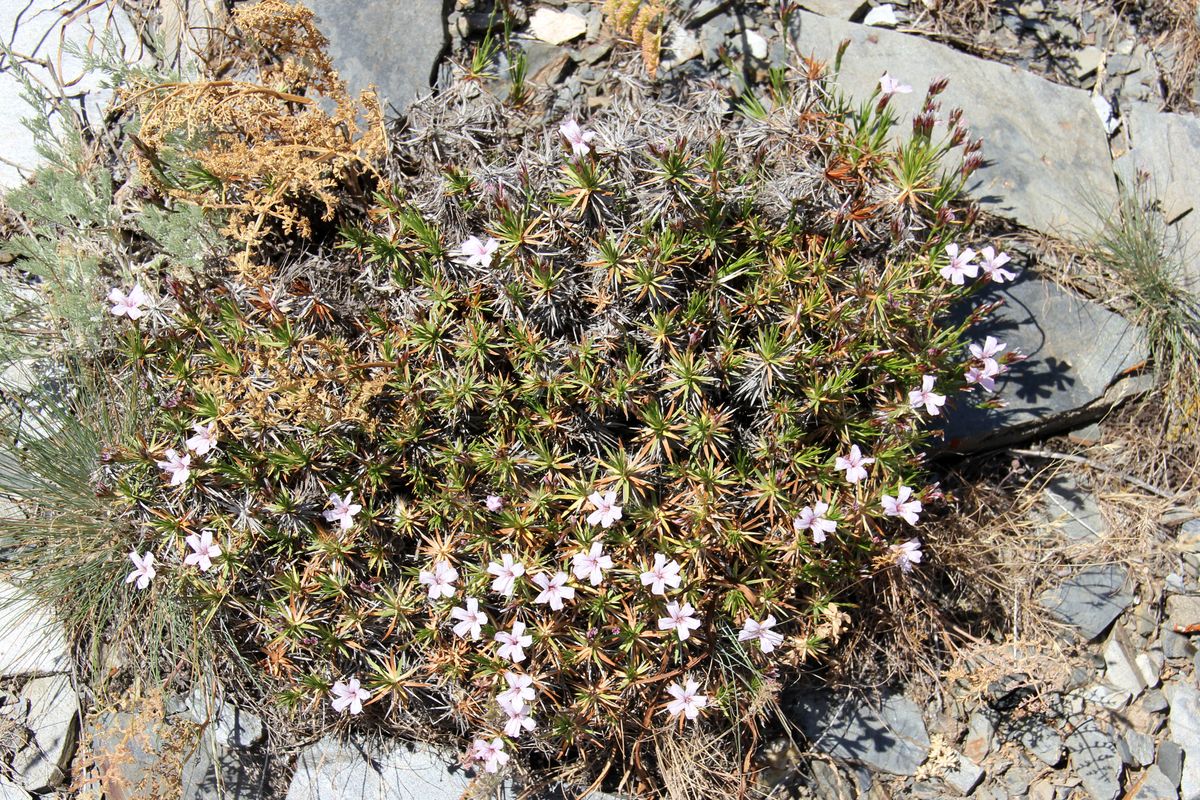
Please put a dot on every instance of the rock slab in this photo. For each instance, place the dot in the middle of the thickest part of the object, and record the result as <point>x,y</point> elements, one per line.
<point>886,734</point>
<point>31,640</point>
<point>1184,726</point>
<point>44,762</point>
<point>1090,600</point>
<point>1095,760</point>
<point>331,768</point>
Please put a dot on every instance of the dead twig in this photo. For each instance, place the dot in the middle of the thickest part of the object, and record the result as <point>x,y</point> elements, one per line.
<point>1089,462</point>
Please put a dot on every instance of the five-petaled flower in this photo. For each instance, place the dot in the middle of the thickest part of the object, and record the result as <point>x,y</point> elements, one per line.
<point>477,253</point>
<point>494,502</point>
<point>688,700</point>
<point>490,754</point>
<point>926,396</point>
<point>518,721</point>
<point>204,550</point>
<point>578,138</point>
<point>519,693</point>
<point>812,518</point>
<point>178,466</point>
<point>960,266</point>
<point>907,554</point>
<point>992,265</point>
<point>607,511</point>
<point>987,353</point>
<point>506,572</point>
<point>128,305</point>
<point>680,619</point>
<point>902,506</point>
<point>204,440</point>
<point>349,696</point>
<point>761,632</point>
<point>854,464</point>
<point>889,86</point>
<point>144,571</point>
<point>513,643</point>
<point>985,376</point>
<point>591,565</point>
<point>440,580</point>
<point>471,620</point>
<point>554,589</point>
<point>343,510</point>
<point>662,574</point>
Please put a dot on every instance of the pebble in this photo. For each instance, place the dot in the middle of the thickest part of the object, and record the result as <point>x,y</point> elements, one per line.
<point>557,27</point>
<point>965,777</point>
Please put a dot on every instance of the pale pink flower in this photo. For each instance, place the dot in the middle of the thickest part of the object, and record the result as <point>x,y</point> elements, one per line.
<point>662,574</point>
<point>907,554</point>
<point>812,518</point>
<point>519,693</point>
<point>578,138</point>
<point>987,352</point>
<point>494,503</point>
<point>343,510</point>
<point>889,86</point>
<point>204,440</point>
<point>471,620</point>
<point>902,506</point>
<point>985,376</point>
<point>490,754</point>
<point>926,396</point>
<point>554,590</point>
<point>349,696</point>
<point>688,700</point>
<point>761,632</point>
<point>128,305</point>
<point>440,580</point>
<point>992,265</point>
<point>591,565</point>
<point>518,721</point>
<point>477,253</point>
<point>144,571</point>
<point>680,619</point>
<point>607,511</point>
<point>204,550</point>
<point>960,265</point>
<point>506,572</point>
<point>854,464</point>
<point>513,643</point>
<point>178,466</point>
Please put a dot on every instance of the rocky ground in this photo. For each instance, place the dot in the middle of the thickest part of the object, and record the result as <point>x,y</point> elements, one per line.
<point>1101,701</point>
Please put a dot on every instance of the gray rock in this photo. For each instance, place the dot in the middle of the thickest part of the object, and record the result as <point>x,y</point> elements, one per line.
<point>886,734</point>
<point>331,768</point>
<point>1073,510</point>
<point>1170,761</point>
<point>10,791</point>
<point>964,777</point>
<point>1055,142</point>
<point>1095,760</point>
<point>1182,610</point>
<point>129,757</point>
<point>395,46</point>
<point>1077,352</point>
<point>837,9</point>
<point>1152,785</point>
<point>53,708</point>
<point>980,733</point>
<point>1184,728</point>
<point>31,640</point>
<point>1121,664</point>
<point>1042,741</point>
<point>1140,746</point>
<point>1155,702</point>
<point>213,772</point>
<point>1090,600</point>
<point>231,726</point>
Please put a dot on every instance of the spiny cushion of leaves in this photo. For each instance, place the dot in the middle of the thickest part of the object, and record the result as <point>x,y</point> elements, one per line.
<point>699,315</point>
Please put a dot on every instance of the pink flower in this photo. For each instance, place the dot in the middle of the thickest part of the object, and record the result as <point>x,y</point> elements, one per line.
<point>128,305</point>
<point>519,692</point>
<point>926,396</point>
<point>679,619</point>
<point>662,574</point>
<point>144,571</point>
<point>349,695</point>
<point>494,503</point>
<point>554,590</point>
<point>440,580</point>
<point>204,550</point>
<point>854,464</point>
<point>343,511</point>
<point>506,574</point>
<point>179,467</point>
<point>907,554</point>
<point>984,376</point>
<point>960,265</point>
<point>987,353</point>
<point>992,265</point>
<point>901,506</point>
<point>471,619</point>
<point>688,701</point>
<point>591,565</point>
<point>518,721</point>
<point>204,440</point>
<point>889,86</point>
<point>477,253</point>
<point>814,519</point>
<point>767,639</point>
<point>577,137</point>
<point>490,754</point>
<point>513,643</point>
<point>607,511</point>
